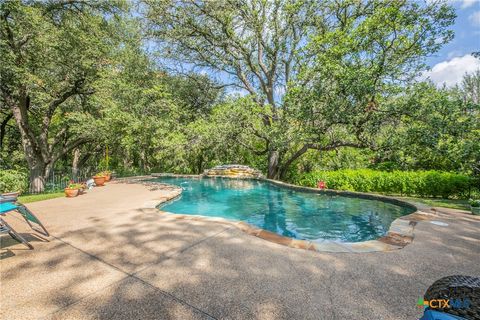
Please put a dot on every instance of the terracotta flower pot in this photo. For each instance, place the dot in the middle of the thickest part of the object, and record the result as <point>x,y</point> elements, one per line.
<point>99,180</point>
<point>10,196</point>
<point>71,193</point>
<point>108,177</point>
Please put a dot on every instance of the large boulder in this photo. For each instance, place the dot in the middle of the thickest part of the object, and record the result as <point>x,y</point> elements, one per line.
<point>234,171</point>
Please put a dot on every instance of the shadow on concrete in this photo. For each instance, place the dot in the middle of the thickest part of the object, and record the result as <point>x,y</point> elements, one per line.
<point>141,264</point>
<point>233,275</point>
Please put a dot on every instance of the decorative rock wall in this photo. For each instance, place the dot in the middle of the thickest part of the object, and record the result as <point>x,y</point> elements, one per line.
<point>233,170</point>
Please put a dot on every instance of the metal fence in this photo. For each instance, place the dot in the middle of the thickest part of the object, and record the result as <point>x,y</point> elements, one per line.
<point>59,179</point>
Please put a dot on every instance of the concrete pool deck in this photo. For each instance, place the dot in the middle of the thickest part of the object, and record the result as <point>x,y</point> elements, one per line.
<point>112,256</point>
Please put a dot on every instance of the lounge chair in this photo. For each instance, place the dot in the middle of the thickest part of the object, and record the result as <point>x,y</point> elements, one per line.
<point>6,228</point>
<point>29,217</point>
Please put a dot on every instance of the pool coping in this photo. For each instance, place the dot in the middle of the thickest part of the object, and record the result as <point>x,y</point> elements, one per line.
<point>399,235</point>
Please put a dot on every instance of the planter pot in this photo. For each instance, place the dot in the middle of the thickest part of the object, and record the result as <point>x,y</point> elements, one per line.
<point>99,180</point>
<point>108,177</point>
<point>10,196</point>
<point>475,210</point>
<point>71,193</point>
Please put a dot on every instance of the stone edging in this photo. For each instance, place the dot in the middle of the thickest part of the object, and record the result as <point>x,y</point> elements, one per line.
<point>398,236</point>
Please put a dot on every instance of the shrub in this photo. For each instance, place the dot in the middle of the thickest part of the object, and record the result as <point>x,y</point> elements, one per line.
<point>421,183</point>
<point>13,181</point>
<point>474,203</point>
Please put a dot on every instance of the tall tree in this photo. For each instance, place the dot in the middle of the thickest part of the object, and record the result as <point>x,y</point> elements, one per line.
<point>439,128</point>
<point>50,55</point>
<point>470,87</point>
<point>342,55</point>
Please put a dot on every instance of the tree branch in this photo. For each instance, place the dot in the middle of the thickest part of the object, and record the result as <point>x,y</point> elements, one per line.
<point>69,147</point>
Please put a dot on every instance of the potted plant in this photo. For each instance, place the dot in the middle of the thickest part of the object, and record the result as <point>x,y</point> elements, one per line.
<point>475,206</point>
<point>10,196</point>
<point>72,190</point>
<point>99,179</point>
<point>83,188</point>
<point>107,174</point>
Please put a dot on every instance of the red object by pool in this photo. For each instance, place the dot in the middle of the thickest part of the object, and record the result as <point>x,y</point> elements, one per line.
<point>321,185</point>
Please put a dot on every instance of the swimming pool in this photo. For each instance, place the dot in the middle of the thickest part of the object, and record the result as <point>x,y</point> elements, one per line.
<point>287,212</point>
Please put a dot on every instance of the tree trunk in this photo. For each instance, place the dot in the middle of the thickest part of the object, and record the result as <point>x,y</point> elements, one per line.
<point>33,152</point>
<point>36,145</point>
<point>199,164</point>
<point>38,177</point>
<point>273,164</point>
<point>283,169</point>
<point>75,163</point>
<point>141,161</point>
<point>3,127</point>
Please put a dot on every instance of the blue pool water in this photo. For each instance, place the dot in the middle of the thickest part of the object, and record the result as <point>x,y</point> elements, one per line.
<point>287,212</point>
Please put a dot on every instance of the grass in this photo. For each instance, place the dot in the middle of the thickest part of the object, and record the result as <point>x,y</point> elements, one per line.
<point>461,204</point>
<point>40,197</point>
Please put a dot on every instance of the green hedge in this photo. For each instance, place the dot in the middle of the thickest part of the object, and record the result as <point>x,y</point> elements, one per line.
<point>13,180</point>
<point>419,183</point>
